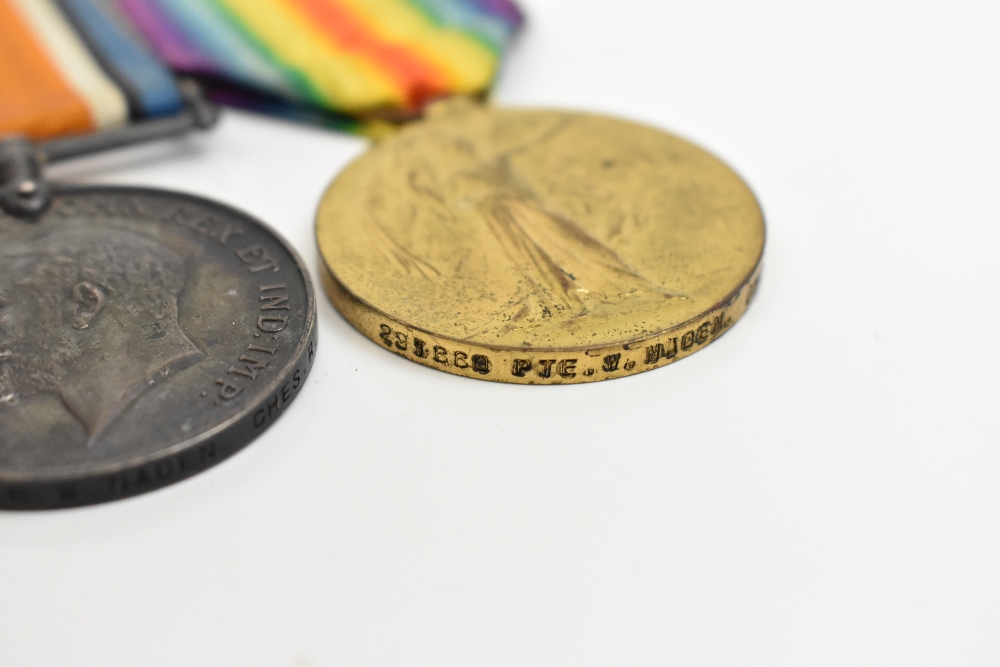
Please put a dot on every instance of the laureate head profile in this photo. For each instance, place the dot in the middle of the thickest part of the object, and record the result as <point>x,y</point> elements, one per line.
<point>91,316</point>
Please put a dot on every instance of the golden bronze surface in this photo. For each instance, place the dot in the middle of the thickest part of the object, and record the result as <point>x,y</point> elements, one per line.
<point>539,247</point>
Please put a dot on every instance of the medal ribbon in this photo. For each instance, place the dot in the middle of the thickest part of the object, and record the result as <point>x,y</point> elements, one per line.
<point>72,66</point>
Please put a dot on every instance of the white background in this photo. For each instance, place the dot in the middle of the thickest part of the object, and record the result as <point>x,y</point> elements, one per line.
<point>820,486</point>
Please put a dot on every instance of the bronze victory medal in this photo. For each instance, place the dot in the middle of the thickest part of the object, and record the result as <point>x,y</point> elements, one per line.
<point>144,336</point>
<point>539,247</point>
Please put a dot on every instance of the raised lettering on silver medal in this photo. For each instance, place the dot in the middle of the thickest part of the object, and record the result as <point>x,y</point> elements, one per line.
<point>144,336</point>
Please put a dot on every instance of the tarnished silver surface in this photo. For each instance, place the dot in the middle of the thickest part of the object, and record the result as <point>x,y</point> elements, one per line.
<point>144,336</point>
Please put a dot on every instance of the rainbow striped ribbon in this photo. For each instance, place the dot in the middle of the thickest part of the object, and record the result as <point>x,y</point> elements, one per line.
<point>77,65</point>
<point>366,58</point>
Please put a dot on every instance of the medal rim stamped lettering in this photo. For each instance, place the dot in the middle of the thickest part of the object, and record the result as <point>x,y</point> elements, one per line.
<point>540,366</point>
<point>528,364</point>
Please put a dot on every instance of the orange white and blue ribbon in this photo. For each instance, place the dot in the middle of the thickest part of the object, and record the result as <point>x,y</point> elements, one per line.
<point>72,67</point>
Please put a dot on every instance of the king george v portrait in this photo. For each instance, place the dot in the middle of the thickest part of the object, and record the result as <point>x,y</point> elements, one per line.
<point>91,317</point>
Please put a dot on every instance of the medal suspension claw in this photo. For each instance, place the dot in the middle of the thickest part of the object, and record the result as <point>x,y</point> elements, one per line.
<point>24,193</point>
